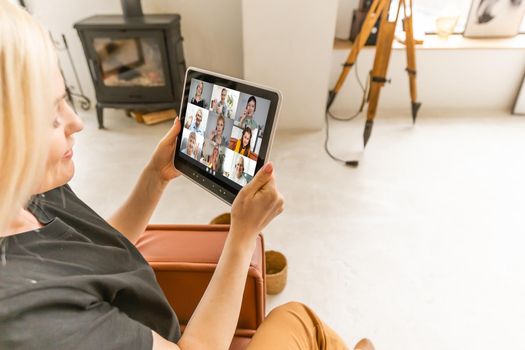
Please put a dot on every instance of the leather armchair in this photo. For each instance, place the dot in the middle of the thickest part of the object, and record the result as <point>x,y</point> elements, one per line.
<point>184,258</point>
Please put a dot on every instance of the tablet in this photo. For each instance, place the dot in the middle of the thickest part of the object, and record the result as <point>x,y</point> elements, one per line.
<point>228,126</point>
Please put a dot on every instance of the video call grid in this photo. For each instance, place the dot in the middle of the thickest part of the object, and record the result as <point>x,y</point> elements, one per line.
<point>221,133</point>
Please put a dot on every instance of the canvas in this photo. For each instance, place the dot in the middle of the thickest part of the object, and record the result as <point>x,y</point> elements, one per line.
<point>494,18</point>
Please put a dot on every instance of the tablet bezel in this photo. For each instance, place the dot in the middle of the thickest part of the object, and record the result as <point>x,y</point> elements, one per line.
<point>220,186</point>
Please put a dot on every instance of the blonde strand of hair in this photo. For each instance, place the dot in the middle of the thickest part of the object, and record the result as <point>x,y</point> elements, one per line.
<point>27,62</point>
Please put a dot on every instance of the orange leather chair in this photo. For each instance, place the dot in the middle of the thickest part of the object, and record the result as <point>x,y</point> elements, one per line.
<point>184,258</point>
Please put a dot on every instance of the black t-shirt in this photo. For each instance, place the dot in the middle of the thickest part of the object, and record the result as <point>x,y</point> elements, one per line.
<point>77,283</point>
<point>200,103</point>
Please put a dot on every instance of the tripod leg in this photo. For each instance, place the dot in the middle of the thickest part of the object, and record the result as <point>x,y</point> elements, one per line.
<point>379,70</point>
<point>370,20</point>
<point>411,60</point>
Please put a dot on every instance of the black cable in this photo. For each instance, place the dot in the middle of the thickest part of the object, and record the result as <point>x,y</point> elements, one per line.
<point>352,163</point>
<point>328,115</point>
<point>363,100</point>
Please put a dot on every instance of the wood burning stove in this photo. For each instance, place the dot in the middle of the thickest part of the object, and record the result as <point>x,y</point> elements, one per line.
<point>136,61</point>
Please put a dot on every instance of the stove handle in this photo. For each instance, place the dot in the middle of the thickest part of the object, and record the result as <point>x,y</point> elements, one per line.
<point>92,69</point>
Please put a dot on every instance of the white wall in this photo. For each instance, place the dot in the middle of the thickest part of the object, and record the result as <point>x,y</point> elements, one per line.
<point>212,30</point>
<point>345,10</point>
<point>447,79</point>
<point>288,45</point>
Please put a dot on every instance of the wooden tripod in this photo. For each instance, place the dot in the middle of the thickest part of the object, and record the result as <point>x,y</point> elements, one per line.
<point>379,11</point>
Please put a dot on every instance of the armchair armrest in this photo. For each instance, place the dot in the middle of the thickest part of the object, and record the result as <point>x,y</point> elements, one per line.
<point>184,258</point>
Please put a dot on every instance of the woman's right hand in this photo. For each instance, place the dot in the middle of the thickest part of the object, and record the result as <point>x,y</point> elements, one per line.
<point>243,116</point>
<point>256,205</point>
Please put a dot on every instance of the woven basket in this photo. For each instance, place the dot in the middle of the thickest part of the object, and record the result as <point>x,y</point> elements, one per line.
<point>222,219</point>
<point>276,272</point>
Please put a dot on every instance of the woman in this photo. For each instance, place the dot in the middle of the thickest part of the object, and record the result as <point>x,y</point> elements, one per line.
<point>71,280</point>
<point>197,99</point>
<point>247,115</point>
<point>220,107</point>
<point>244,143</point>
<point>214,159</point>
<point>216,134</point>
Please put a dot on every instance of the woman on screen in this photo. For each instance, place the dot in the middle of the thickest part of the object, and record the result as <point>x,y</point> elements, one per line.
<point>214,159</point>
<point>216,134</point>
<point>197,99</point>
<point>247,115</point>
<point>220,107</point>
<point>244,143</point>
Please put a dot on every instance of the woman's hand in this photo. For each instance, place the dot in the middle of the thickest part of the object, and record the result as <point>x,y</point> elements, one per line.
<point>213,133</point>
<point>256,205</point>
<point>189,120</point>
<point>243,116</point>
<point>162,161</point>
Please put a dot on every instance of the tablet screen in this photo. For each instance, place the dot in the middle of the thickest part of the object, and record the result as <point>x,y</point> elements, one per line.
<point>223,130</point>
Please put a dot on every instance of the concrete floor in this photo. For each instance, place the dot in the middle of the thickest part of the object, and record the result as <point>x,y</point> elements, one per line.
<point>421,247</point>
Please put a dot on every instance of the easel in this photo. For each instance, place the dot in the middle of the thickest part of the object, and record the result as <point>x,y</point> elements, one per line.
<point>379,10</point>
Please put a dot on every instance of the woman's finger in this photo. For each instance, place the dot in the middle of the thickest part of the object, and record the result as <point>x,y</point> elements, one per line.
<point>264,176</point>
<point>171,136</point>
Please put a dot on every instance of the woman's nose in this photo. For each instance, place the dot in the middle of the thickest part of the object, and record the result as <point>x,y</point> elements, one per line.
<point>75,123</point>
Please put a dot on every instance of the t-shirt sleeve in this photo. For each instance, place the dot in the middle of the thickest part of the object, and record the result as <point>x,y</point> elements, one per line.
<point>101,326</point>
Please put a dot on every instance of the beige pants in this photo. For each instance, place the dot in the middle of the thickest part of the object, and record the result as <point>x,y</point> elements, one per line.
<point>294,326</point>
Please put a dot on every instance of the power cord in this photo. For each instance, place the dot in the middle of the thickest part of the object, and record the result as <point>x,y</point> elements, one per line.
<point>328,115</point>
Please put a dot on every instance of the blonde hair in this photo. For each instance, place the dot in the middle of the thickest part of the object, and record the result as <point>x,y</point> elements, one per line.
<point>27,64</point>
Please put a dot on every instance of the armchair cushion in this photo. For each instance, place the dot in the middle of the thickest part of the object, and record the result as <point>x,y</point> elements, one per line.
<point>184,258</point>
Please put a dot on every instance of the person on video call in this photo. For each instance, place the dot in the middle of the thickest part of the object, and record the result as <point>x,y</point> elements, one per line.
<point>192,149</point>
<point>238,173</point>
<point>216,134</point>
<point>197,99</point>
<point>247,114</point>
<point>244,143</point>
<point>70,279</point>
<point>220,107</point>
<point>196,126</point>
<point>215,159</point>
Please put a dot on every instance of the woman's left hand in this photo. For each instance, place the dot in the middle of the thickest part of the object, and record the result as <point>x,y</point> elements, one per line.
<point>162,161</point>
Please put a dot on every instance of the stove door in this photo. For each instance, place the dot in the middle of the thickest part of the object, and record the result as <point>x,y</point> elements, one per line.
<point>129,66</point>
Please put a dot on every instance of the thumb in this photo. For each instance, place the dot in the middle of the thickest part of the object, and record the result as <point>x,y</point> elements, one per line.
<point>174,131</point>
<point>264,176</point>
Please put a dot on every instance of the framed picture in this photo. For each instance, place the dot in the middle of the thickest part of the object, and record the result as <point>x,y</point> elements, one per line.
<point>494,18</point>
<point>519,102</point>
<point>19,2</point>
